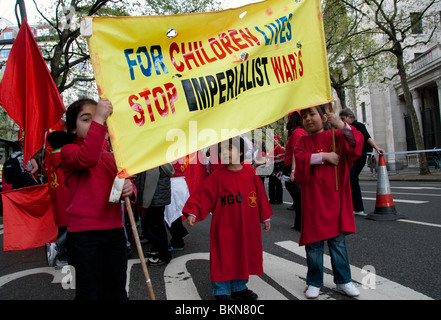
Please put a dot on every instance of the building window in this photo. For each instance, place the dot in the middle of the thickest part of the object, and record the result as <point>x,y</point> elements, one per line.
<point>7,35</point>
<point>42,32</point>
<point>4,53</point>
<point>416,22</point>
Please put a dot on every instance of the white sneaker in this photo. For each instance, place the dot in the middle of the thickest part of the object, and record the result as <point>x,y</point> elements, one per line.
<point>312,292</point>
<point>359,213</point>
<point>348,289</point>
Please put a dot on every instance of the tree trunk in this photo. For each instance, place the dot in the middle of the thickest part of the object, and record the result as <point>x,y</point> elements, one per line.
<point>341,93</point>
<point>424,167</point>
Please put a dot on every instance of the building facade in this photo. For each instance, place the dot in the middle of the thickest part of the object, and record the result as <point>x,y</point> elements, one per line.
<point>380,104</point>
<point>9,31</point>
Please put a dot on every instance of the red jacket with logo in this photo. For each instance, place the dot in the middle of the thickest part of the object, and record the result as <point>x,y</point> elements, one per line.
<point>239,204</point>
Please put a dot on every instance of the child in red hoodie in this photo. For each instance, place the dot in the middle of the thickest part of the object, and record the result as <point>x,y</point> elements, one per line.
<point>96,240</point>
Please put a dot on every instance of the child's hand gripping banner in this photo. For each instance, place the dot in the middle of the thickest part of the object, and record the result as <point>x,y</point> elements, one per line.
<point>179,83</point>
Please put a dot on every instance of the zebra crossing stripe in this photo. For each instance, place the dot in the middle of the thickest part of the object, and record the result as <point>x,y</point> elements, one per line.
<point>383,289</point>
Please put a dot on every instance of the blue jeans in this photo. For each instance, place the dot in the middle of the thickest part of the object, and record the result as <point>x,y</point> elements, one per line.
<point>226,287</point>
<point>339,261</point>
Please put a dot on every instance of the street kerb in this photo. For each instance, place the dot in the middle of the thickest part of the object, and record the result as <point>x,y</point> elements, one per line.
<point>384,205</point>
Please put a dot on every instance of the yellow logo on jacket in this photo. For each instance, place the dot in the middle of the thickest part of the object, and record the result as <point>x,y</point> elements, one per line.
<point>252,199</point>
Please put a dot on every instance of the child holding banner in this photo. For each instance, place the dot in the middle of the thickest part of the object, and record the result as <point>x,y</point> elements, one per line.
<point>236,197</point>
<point>96,239</point>
<point>326,210</point>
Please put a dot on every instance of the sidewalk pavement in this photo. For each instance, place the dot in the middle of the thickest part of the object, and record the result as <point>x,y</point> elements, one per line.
<point>403,175</point>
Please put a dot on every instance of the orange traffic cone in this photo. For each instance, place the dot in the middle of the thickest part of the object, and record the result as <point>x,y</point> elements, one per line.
<point>384,205</point>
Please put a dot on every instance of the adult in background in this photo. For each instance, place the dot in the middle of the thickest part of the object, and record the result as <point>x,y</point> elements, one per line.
<point>259,158</point>
<point>275,188</point>
<point>154,193</point>
<point>295,131</point>
<point>368,143</point>
<point>26,178</point>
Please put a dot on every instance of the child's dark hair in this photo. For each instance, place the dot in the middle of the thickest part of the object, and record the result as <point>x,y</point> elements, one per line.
<point>294,121</point>
<point>57,139</point>
<point>72,113</point>
<point>238,142</point>
<point>321,109</point>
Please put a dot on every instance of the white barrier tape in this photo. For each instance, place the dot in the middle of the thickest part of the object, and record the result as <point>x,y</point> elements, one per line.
<point>406,152</point>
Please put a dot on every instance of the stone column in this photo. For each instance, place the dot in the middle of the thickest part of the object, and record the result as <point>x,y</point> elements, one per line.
<point>389,129</point>
<point>417,103</point>
<point>438,85</point>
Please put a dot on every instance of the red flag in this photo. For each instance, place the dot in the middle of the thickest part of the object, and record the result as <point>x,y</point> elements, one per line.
<point>28,221</point>
<point>28,93</point>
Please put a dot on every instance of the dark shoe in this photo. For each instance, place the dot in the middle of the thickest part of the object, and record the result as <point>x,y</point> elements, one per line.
<point>222,297</point>
<point>246,294</point>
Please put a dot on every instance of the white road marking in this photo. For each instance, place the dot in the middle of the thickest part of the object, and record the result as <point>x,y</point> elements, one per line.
<point>289,275</point>
<point>417,188</point>
<point>419,222</point>
<point>412,202</point>
<point>384,289</point>
<point>409,194</point>
<point>178,281</point>
<point>56,272</point>
<point>400,200</point>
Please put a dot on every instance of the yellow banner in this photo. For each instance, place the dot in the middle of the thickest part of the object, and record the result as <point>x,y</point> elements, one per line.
<point>179,83</point>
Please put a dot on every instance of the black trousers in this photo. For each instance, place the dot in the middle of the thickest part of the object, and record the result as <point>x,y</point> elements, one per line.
<point>99,258</point>
<point>357,201</point>
<point>153,223</point>
<point>275,190</point>
<point>177,232</point>
<point>293,189</point>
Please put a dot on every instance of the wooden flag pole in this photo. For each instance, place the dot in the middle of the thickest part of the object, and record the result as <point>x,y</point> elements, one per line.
<point>138,246</point>
<point>334,149</point>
